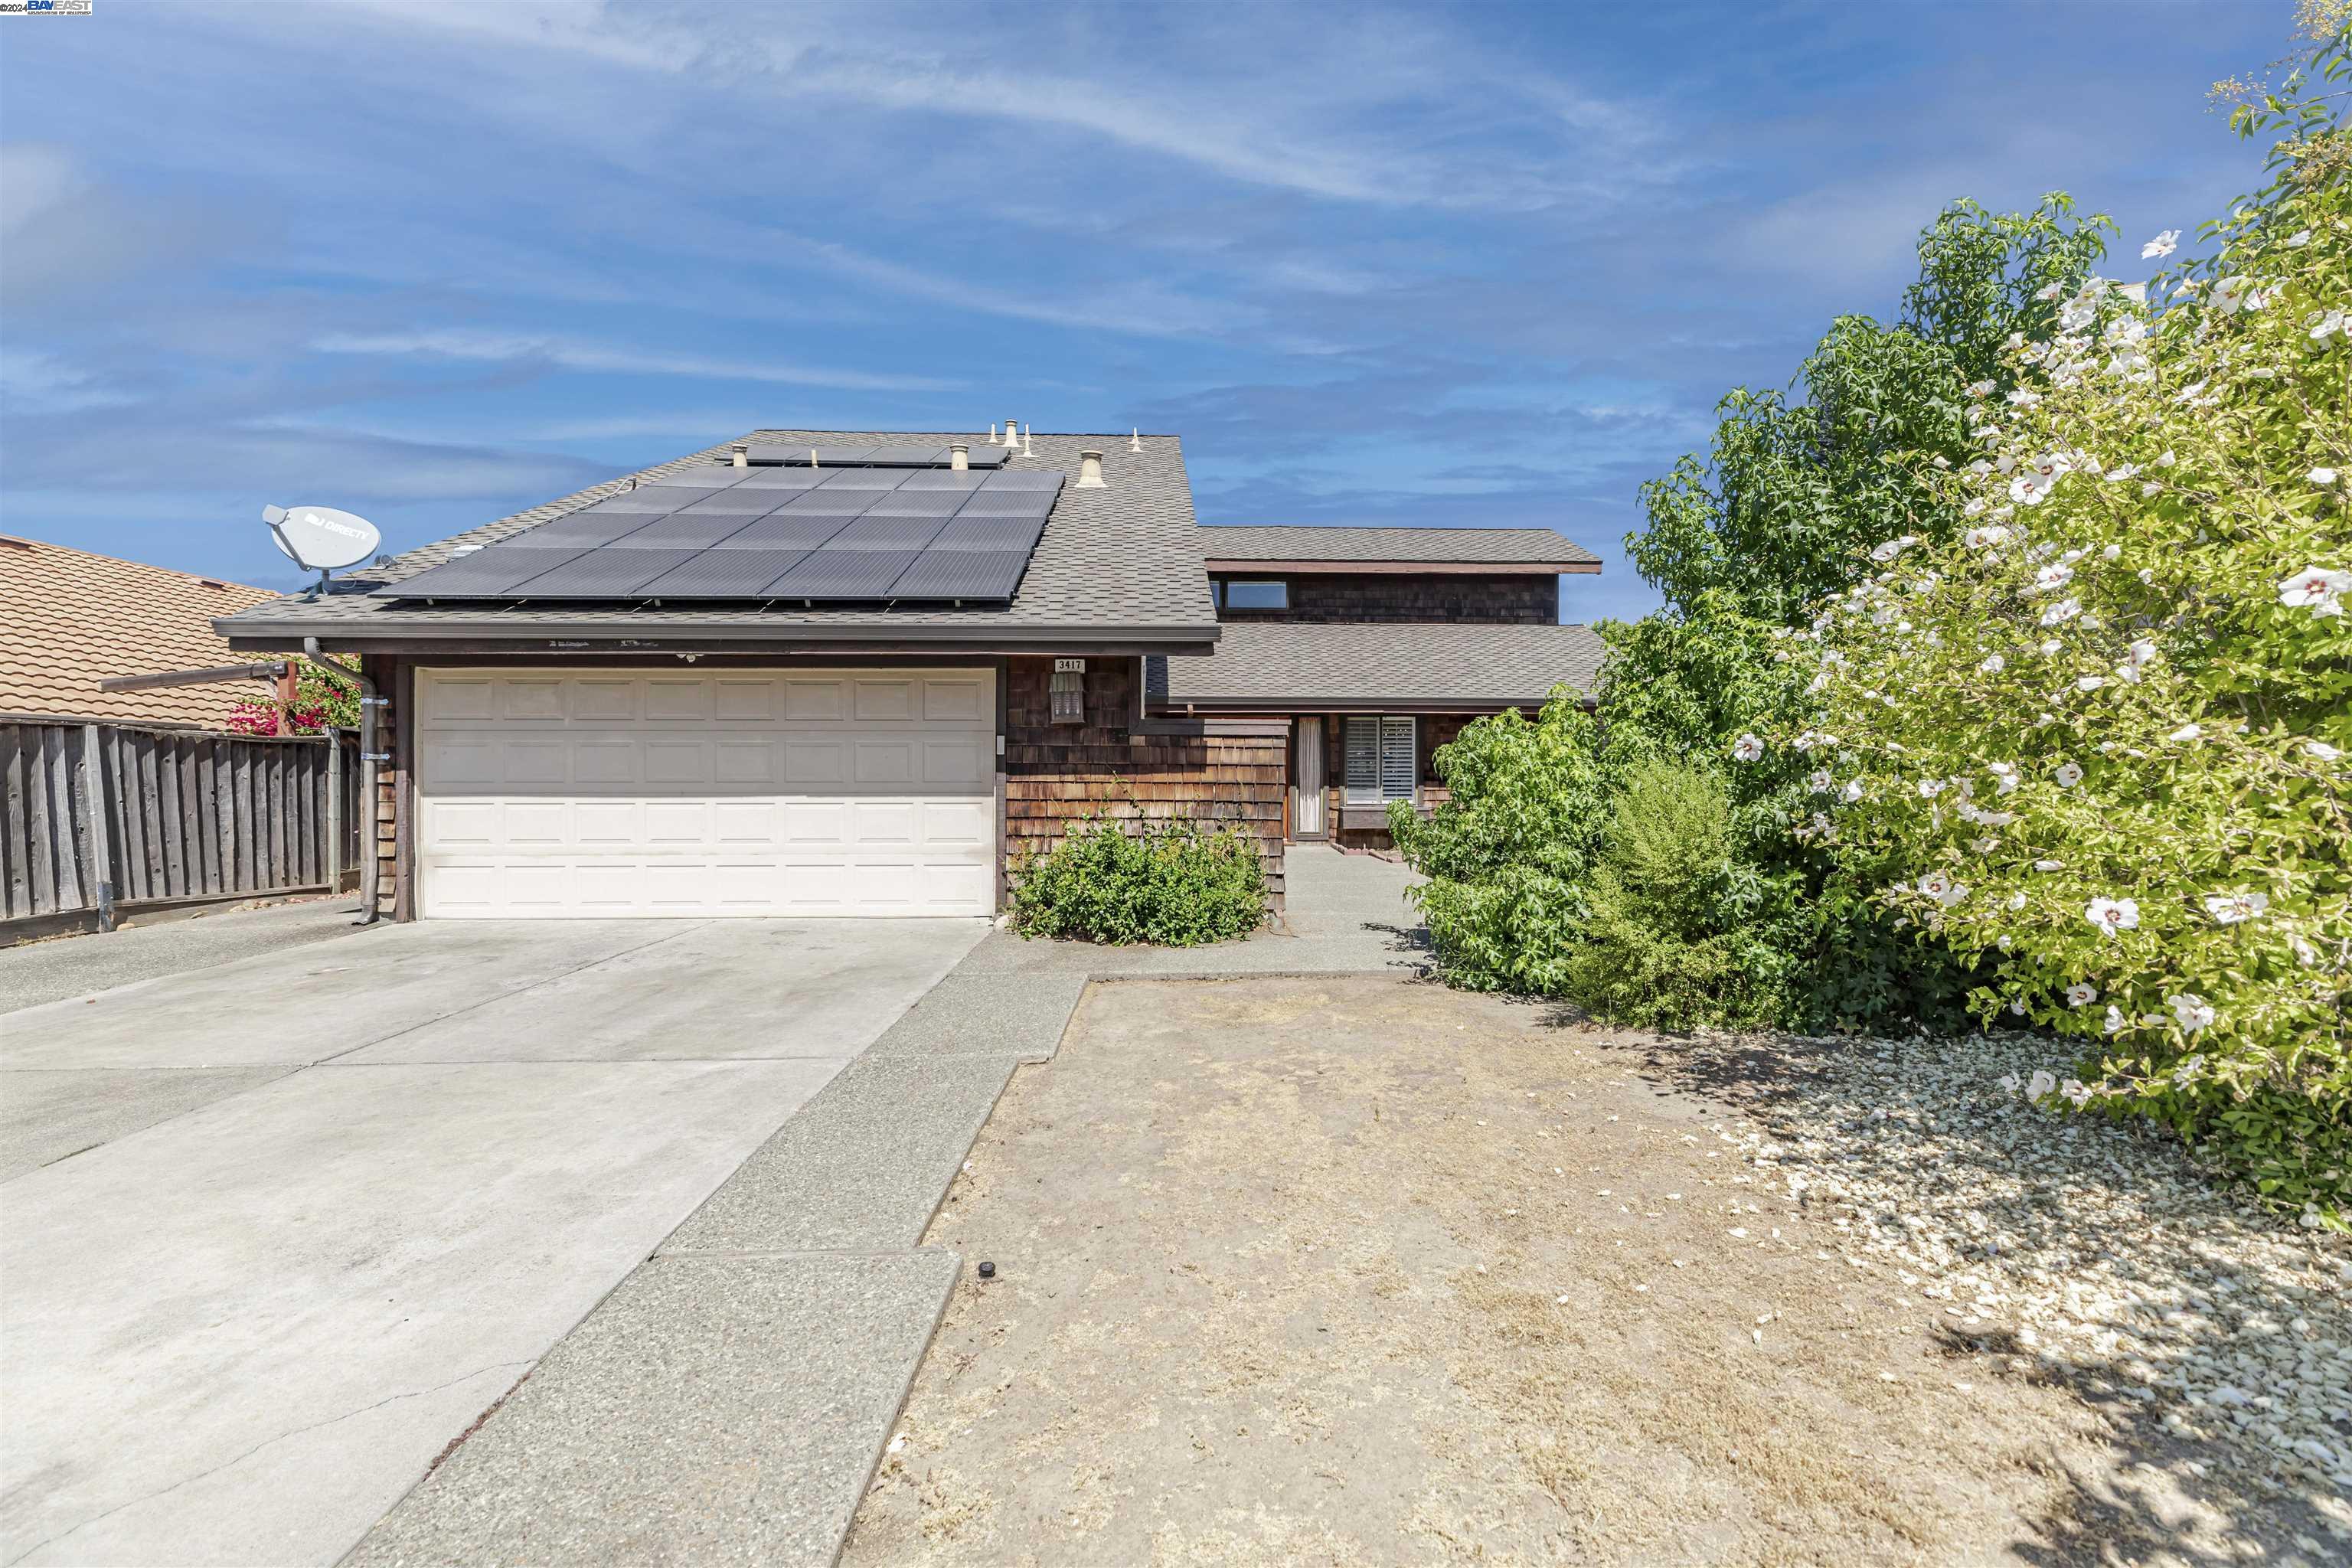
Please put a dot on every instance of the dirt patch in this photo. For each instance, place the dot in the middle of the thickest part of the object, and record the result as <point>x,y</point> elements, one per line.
<point>1367,1271</point>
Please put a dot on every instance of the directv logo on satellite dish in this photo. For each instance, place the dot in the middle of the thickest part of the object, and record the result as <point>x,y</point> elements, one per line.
<point>320,537</point>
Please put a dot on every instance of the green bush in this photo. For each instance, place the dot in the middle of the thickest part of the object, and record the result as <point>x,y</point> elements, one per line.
<point>1677,932</point>
<point>2097,744</point>
<point>1167,884</point>
<point>1506,855</point>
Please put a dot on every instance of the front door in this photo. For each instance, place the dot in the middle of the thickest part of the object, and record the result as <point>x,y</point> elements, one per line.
<point>1307,780</point>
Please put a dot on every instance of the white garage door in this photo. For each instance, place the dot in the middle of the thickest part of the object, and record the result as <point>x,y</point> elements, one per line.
<point>820,792</point>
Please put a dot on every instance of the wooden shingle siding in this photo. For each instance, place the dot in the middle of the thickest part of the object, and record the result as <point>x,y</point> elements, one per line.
<point>1504,599</point>
<point>1059,774</point>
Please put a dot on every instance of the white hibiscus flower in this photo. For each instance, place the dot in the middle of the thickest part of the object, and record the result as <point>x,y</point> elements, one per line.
<point>2322,749</point>
<point>2042,1082</point>
<point>1894,547</point>
<point>2081,994</point>
<point>1986,537</point>
<point>2077,1092</point>
<point>2116,1023</point>
<point>1821,782</point>
<point>2062,612</point>
<point>2112,916</point>
<point>2163,245</point>
<point>2321,477</point>
<point>2187,732</point>
<point>2068,775</point>
<point>1747,748</point>
<point>1851,792</point>
<point>2051,578</point>
<point>2315,587</point>
<point>1930,788</point>
<point>2089,682</point>
<point>2004,776</point>
<point>2193,1011</point>
<point>2231,908</point>
<point>1993,665</point>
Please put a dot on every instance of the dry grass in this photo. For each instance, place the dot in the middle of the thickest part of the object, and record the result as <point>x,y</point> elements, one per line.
<point>1364,1272</point>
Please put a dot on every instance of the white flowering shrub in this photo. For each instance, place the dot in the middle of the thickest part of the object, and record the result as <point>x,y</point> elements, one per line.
<point>2102,742</point>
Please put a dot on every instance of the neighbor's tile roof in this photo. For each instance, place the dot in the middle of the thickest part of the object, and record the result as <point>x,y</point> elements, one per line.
<point>1112,560</point>
<point>1451,546</point>
<point>1307,664</point>
<point>68,620</point>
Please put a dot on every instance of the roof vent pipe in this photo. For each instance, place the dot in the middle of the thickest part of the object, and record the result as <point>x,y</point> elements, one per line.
<point>1012,436</point>
<point>1135,439</point>
<point>1027,433</point>
<point>742,454</point>
<point>992,435</point>
<point>1090,470</point>
<point>959,456</point>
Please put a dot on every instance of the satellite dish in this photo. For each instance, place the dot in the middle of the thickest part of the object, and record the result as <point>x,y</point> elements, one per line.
<point>320,537</point>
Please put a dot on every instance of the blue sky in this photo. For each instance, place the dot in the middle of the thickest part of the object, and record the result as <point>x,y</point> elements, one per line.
<point>1449,266</point>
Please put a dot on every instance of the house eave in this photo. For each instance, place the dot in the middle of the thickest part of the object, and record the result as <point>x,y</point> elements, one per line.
<point>1407,568</point>
<point>486,635</point>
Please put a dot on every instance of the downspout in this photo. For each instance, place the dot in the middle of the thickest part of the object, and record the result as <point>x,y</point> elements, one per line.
<point>369,756</point>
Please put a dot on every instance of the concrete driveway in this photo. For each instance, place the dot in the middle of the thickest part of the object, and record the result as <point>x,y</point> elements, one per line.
<point>278,1231</point>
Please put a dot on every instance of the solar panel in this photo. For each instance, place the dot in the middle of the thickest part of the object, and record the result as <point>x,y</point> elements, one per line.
<point>782,478</point>
<point>1023,480</point>
<point>682,532</point>
<point>742,503</point>
<point>872,533</point>
<point>836,457</point>
<point>961,574</point>
<point>605,573</point>
<point>829,504</point>
<point>940,479</point>
<point>1008,503</point>
<point>722,574</point>
<point>482,574</point>
<point>585,528</point>
<point>644,503</point>
<point>843,574</point>
<point>865,479</point>
<point>919,503</point>
<point>990,533</point>
<point>906,457</point>
<point>710,477</point>
<point>779,532</point>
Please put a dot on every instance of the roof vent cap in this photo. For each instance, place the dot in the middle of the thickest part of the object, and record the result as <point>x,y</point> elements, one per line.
<point>742,454</point>
<point>1012,436</point>
<point>1090,470</point>
<point>959,456</point>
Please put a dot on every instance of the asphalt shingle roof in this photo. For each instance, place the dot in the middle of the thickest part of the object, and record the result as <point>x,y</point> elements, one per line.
<point>1307,664</point>
<point>69,619</point>
<point>1114,563</point>
<point>1450,546</point>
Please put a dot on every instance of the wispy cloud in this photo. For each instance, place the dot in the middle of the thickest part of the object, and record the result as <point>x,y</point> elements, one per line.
<point>530,349</point>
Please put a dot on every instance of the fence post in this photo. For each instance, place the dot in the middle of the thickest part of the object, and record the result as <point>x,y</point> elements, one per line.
<point>334,810</point>
<point>101,822</point>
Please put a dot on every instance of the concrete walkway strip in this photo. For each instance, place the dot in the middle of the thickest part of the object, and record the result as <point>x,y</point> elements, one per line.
<point>47,1116</point>
<point>863,1165</point>
<point>713,1410</point>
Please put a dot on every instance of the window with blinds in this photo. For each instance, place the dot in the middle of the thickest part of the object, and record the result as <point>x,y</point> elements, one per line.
<point>1379,760</point>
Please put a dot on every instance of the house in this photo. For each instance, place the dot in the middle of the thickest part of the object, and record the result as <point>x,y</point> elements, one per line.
<point>844,673</point>
<point>1375,646</point>
<point>69,619</point>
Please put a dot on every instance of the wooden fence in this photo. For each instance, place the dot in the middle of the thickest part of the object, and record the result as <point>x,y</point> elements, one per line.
<point>101,816</point>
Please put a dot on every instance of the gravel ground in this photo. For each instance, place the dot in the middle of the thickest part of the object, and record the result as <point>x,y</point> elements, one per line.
<point>2092,1252</point>
<point>1354,1271</point>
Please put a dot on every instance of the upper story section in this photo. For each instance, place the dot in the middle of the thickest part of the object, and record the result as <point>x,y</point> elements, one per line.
<point>1496,576</point>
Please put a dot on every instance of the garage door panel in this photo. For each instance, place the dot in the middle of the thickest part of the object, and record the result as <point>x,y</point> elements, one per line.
<point>669,762</point>
<point>816,761</point>
<point>625,794</point>
<point>526,701</point>
<point>811,701</point>
<point>670,699</point>
<point>886,761</point>
<point>958,822</point>
<point>605,701</point>
<point>738,701</point>
<point>954,702</point>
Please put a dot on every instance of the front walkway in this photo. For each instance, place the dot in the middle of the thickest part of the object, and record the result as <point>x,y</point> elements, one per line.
<point>731,1400</point>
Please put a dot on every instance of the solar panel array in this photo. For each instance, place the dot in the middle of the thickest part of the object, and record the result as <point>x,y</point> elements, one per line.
<point>812,534</point>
